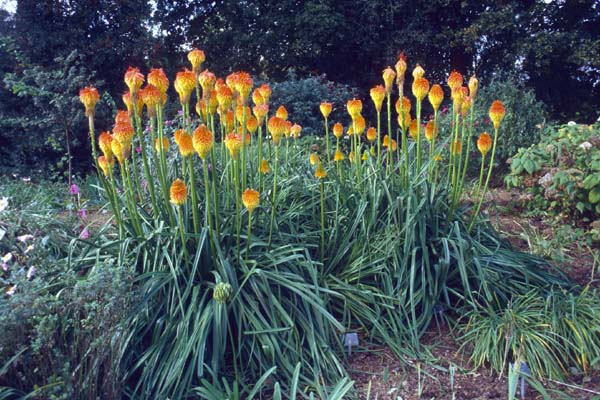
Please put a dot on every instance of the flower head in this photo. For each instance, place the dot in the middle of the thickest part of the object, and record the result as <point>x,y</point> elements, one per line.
<point>320,172</point>
<point>178,192</point>
<point>325,108</point>
<point>250,199</point>
<point>224,97</point>
<point>497,112</point>
<point>354,107</point>
<point>371,134</point>
<point>89,96</point>
<point>202,141</point>
<point>242,112</point>
<point>74,190</point>
<point>484,143</point>
<point>314,159</point>
<point>233,142</point>
<point>430,131</point>
<point>418,72</point>
<point>265,91</point>
<point>251,124</point>
<point>404,121</point>
<point>207,81</point>
<point>185,144</point>
<point>400,68</point>
<point>160,148</point>
<point>151,97</point>
<point>222,292</point>
<point>436,96</point>
<point>388,79</point>
<point>455,79</point>
<point>420,88</point>
<point>403,107</point>
<point>257,98</point>
<point>134,80</point>
<point>473,85</point>
<point>377,95</point>
<point>277,128</point>
<point>295,130</point>
<point>243,85</point>
<point>339,156</point>
<point>413,129</point>
<point>264,167</point>
<point>456,147</point>
<point>185,83</point>
<point>105,164</point>
<point>338,130</point>
<point>122,117</point>
<point>127,99</point>
<point>260,111</point>
<point>282,113</point>
<point>359,124</point>
<point>123,133</point>
<point>158,79</point>
<point>120,151</point>
<point>104,142</point>
<point>196,58</point>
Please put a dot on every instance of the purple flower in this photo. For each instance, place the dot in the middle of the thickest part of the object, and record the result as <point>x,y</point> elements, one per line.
<point>82,213</point>
<point>84,234</point>
<point>4,266</point>
<point>74,190</point>
<point>138,149</point>
<point>179,113</point>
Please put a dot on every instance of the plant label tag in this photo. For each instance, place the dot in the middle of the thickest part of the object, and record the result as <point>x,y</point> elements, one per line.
<point>350,339</point>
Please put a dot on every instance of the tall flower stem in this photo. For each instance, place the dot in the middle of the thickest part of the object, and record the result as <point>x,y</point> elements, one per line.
<point>149,180</point>
<point>322,222</point>
<point>379,135</point>
<point>190,163</point>
<point>249,234</point>
<point>327,140</point>
<point>260,155</point>
<point>418,136</point>
<point>487,180</point>
<point>182,234</point>
<point>207,197</point>
<point>274,197</point>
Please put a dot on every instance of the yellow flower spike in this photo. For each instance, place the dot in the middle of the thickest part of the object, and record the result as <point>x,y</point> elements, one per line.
<point>185,83</point>
<point>201,109</point>
<point>371,134</point>
<point>465,105</point>
<point>233,142</point>
<point>473,85</point>
<point>178,192</point>
<point>386,141</point>
<point>104,141</point>
<point>436,96</point>
<point>123,133</point>
<point>405,105</point>
<point>400,68</point>
<point>394,145</point>
<point>202,141</point>
<point>257,98</point>
<point>224,97</point>
<point>229,120</point>
<point>265,92</point>
<point>457,99</point>
<point>264,167</point>
<point>420,88</point>
<point>361,125</point>
<point>207,81</point>
<point>250,199</point>
<point>338,130</point>
<point>455,79</point>
<point>418,72</point>
<point>134,80</point>
<point>354,107</point>
<point>158,79</point>
<point>129,104</point>
<point>251,124</point>
<point>456,147</point>
<point>231,80</point>
<point>213,102</point>
<point>186,145</point>
<point>413,128</point>
<point>350,131</point>
<point>296,129</point>
<point>277,128</point>
<point>484,143</point>
<point>430,131</point>
<point>177,135</point>
<point>119,151</point>
<point>325,108</point>
<point>365,155</point>
<point>320,172</point>
<point>241,112</point>
<point>151,97</point>
<point>260,111</point>
<point>388,79</point>
<point>196,58</point>
<point>243,85</point>
<point>287,129</point>
<point>89,96</point>
<point>165,144</point>
<point>339,156</point>
<point>378,95</point>
<point>404,121</point>
<point>497,112</point>
<point>122,117</point>
<point>282,113</point>
<point>105,165</point>
<point>314,159</point>
<point>437,158</point>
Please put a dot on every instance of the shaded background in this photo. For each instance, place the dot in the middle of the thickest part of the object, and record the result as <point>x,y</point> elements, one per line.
<point>48,49</point>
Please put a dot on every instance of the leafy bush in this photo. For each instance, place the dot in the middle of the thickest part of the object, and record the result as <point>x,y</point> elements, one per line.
<point>302,96</point>
<point>562,171</point>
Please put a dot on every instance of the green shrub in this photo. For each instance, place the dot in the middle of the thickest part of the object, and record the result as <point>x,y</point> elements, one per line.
<point>562,171</point>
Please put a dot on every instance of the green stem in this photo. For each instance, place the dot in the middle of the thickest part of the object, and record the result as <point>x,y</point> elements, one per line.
<point>327,140</point>
<point>274,197</point>
<point>487,180</point>
<point>322,222</point>
<point>190,163</point>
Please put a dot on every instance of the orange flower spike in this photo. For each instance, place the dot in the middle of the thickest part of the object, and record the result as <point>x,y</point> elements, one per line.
<point>405,105</point>
<point>338,130</point>
<point>394,145</point>
<point>264,167</point>
<point>105,164</point>
<point>118,150</point>
<point>122,117</point>
<point>497,112</point>
<point>484,143</point>
<point>320,172</point>
<point>388,79</point>
<point>386,141</point>
<point>165,144</point>
<point>314,159</point>
<point>123,133</point>
<point>229,120</point>
<point>296,129</point>
<point>378,95</point>
<point>186,145</point>
<point>456,147</point>
<point>354,107</point>
<point>178,192</point>
<point>129,104</point>
<point>202,141</point>
<point>257,98</point>
<point>260,112</point>
<point>457,99</point>
<point>418,72</point>
<point>413,128</point>
<point>250,199</point>
<point>371,134</point>
<point>241,112</point>
<point>177,135</point>
<point>196,57</point>
<point>361,125</point>
<point>282,113</point>
<point>233,142</point>
<point>201,109</point>
<point>89,96</point>
<point>224,97</point>
<point>287,129</point>
<point>151,97</point>
<point>455,79</point>
<point>436,96</point>
<point>207,81</point>
<point>134,80</point>
<point>325,108</point>
<point>420,88</point>
<point>401,69</point>
<point>473,85</point>
<point>265,91</point>
<point>430,132</point>
<point>243,85</point>
<point>185,84</point>
<point>276,127</point>
<point>158,79</point>
<point>465,105</point>
<point>213,103</point>
<point>339,156</point>
<point>252,124</point>
<point>104,141</point>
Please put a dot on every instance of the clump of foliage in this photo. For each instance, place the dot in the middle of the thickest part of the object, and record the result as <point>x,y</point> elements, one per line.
<point>562,171</point>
